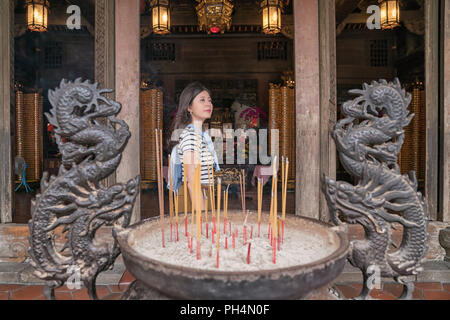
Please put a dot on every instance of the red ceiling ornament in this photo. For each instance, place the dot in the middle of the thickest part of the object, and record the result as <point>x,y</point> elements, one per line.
<point>215,29</point>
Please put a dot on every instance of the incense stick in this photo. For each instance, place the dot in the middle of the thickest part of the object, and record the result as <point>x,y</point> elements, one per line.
<point>219,186</point>
<point>170,199</point>
<point>259,196</point>
<point>198,208</point>
<point>185,199</point>
<point>176,211</point>
<point>284,199</point>
<point>160,189</point>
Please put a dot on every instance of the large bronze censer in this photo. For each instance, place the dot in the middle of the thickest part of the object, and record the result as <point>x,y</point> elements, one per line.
<point>176,281</point>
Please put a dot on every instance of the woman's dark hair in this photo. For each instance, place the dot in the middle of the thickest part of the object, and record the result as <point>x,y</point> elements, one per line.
<point>183,117</point>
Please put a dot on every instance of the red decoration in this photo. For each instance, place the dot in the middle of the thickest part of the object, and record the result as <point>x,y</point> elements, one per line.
<point>215,29</point>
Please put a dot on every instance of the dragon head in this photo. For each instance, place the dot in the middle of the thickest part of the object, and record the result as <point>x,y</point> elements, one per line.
<point>350,204</point>
<point>75,103</point>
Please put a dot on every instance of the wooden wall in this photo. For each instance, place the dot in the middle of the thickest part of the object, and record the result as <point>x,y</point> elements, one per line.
<point>217,57</point>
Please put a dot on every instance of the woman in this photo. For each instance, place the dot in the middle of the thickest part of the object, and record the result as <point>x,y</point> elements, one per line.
<point>194,108</point>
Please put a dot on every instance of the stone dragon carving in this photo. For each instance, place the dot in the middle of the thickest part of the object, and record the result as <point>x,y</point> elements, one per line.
<point>369,140</point>
<point>91,151</point>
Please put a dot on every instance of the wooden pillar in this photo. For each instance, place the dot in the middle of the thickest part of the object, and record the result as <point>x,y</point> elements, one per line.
<point>105,54</point>
<point>307,71</point>
<point>6,105</point>
<point>432,106</point>
<point>127,30</point>
<point>445,113</point>
<point>327,32</point>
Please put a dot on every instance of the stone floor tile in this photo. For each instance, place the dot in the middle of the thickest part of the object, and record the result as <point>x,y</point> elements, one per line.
<point>4,295</point>
<point>429,285</point>
<point>436,295</point>
<point>112,296</point>
<point>394,289</point>
<point>381,295</point>
<point>348,291</point>
<point>126,280</point>
<point>10,287</point>
<point>82,294</point>
<point>27,293</point>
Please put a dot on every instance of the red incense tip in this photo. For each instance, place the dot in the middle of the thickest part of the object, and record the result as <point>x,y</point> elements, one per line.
<point>275,253</point>
<point>163,242</point>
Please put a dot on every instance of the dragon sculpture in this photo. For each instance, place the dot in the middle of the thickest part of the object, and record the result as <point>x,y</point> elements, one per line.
<point>91,150</point>
<point>369,140</point>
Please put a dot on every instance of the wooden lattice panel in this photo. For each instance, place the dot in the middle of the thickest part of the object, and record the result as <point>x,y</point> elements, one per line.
<point>412,155</point>
<point>151,113</point>
<point>29,132</point>
<point>282,117</point>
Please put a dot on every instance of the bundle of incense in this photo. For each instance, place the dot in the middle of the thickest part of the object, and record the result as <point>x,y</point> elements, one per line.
<point>271,205</point>
<point>282,186</point>
<point>185,195</point>
<point>198,207</point>
<point>160,185</point>
<point>214,196</point>
<point>242,185</point>
<point>286,170</point>
<point>225,210</point>
<point>219,186</point>
<point>206,212</point>
<point>176,211</point>
<point>211,197</point>
<point>170,200</point>
<point>245,229</point>
<point>275,217</point>
<point>270,215</point>
<point>273,211</point>
<point>260,187</point>
<point>279,233</point>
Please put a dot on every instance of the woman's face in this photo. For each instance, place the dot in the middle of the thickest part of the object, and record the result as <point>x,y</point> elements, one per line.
<point>201,108</point>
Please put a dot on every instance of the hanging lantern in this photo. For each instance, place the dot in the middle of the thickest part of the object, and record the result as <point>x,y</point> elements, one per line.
<point>37,15</point>
<point>214,16</point>
<point>160,10</point>
<point>271,16</point>
<point>390,13</point>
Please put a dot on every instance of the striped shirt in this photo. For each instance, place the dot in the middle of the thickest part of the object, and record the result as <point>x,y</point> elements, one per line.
<point>188,142</point>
